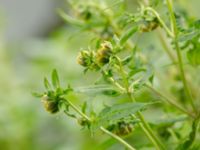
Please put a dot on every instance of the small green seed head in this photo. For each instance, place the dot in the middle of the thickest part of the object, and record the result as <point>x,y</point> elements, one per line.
<point>86,15</point>
<point>149,25</point>
<point>84,58</point>
<point>121,128</point>
<point>50,105</point>
<point>124,129</point>
<point>82,121</point>
<point>104,53</point>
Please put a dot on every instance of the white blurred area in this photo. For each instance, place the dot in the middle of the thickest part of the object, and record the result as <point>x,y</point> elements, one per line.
<point>22,19</point>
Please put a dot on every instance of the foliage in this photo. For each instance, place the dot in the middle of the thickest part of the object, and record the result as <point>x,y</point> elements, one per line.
<point>125,70</point>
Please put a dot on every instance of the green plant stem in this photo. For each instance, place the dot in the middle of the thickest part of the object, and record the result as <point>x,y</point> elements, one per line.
<point>178,52</point>
<point>112,80</point>
<point>145,126</point>
<point>171,102</point>
<point>148,131</point>
<point>162,40</point>
<point>173,59</point>
<point>117,138</point>
<point>166,48</point>
<point>120,140</point>
<point>161,21</point>
<point>152,136</point>
<point>78,110</point>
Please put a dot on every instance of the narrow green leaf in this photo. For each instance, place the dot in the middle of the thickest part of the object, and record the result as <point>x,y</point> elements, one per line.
<point>69,19</point>
<point>47,84</point>
<point>38,95</point>
<point>55,79</point>
<point>127,35</point>
<point>99,89</point>
<point>84,107</point>
<point>126,60</point>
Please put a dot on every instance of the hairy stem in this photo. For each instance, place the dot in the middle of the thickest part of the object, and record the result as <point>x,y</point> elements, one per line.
<point>120,140</point>
<point>178,52</point>
<point>145,126</point>
<point>117,138</point>
<point>161,21</point>
<point>166,48</point>
<point>78,110</point>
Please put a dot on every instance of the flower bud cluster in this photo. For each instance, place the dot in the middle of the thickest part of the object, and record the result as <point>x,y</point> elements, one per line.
<point>149,25</point>
<point>51,105</point>
<point>92,60</point>
<point>121,128</point>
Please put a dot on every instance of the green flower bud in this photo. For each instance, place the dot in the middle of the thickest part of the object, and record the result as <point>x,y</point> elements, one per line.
<point>50,105</point>
<point>121,128</point>
<point>84,58</point>
<point>124,128</point>
<point>104,53</point>
<point>82,121</point>
<point>86,15</point>
<point>149,25</point>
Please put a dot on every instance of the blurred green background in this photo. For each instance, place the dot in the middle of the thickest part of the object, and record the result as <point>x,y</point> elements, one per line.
<point>33,41</point>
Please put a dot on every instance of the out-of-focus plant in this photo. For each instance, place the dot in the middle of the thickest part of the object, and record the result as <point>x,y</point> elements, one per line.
<point>125,70</point>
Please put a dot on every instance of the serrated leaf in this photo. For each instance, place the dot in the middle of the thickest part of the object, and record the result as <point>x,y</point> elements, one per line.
<point>55,79</point>
<point>115,113</point>
<point>47,84</point>
<point>127,35</point>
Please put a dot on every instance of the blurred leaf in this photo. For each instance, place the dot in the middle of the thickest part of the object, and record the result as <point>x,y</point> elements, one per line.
<point>188,36</point>
<point>191,138</point>
<point>115,113</point>
<point>126,60</point>
<point>99,89</point>
<point>84,107</point>
<point>135,71</point>
<point>194,56</point>
<point>169,121</point>
<point>55,79</point>
<point>111,92</point>
<point>70,19</point>
<point>106,144</point>
<point>47,84</point>
<point>38,95</point>
<point>127,35</point>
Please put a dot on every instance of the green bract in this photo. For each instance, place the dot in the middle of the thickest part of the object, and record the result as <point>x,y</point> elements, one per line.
<point>50,105</point>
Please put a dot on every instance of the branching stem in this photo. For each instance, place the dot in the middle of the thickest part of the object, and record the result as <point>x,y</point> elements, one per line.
<point>161,21</point>
<point>119,139</point>
<point>178,52</point>
<point>144,125</point>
